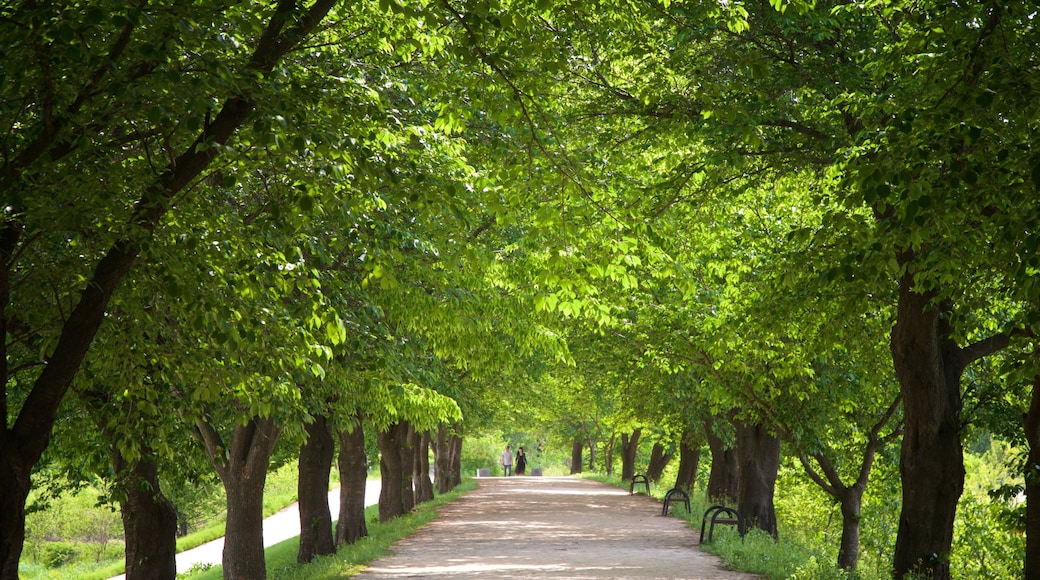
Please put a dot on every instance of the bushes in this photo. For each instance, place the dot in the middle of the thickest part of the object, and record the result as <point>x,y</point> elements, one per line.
<point>57,554</point>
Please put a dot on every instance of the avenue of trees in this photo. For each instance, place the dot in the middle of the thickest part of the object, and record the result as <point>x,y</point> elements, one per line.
<point>761,230</point>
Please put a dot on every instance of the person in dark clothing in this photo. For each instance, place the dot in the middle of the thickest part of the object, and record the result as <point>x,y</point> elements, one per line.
<point>521,461</point>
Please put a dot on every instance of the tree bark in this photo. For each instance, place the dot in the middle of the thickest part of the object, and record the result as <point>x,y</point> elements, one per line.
<point>724,479</point>
<point>353,477</point>
<point>758,454</point>
<point>629,448</point>
<point>407,453</point>
<point>577,448</point>
<point>608,455</point>
<point>851,505</point>
<point>442,459</point>
<point>392,501</point>
<point>1032,477</point>
<point>243,471</point>
<point>421,467</point>
<point>659,460</point>
<point>456,456</point>
<point>689,461</point>
<point>931,459</point>
<point>315,465</point>
<point>16,485</point>
<point>592,453</point>
<point>149,520</point>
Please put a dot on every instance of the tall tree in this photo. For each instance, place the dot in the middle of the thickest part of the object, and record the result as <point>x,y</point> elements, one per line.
<point>70,111</point>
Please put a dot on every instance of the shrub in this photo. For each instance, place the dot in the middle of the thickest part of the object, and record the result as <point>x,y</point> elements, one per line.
<point>57,554</point>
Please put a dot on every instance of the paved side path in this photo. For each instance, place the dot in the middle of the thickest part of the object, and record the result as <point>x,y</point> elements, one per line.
<point>551,527</point>
<point>277,528</point>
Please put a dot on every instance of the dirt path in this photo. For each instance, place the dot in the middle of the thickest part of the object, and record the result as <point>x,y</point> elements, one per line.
<point>551,527</point>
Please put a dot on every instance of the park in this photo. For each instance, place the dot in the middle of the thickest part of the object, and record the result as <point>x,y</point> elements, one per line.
<point>783,256</point>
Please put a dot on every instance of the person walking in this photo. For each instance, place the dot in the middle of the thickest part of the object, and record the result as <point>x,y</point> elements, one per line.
<point>521,461</point>
<point>507,462</point>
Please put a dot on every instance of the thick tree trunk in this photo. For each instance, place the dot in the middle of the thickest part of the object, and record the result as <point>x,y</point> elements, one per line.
<point>243,471</point>
<point>577,449</point>
<point>421,467</point>
<point>658,462</point>
<point>13,493</point>
<point>392,471</point>
<point>243,556</point>
<point>758,454</point>
<point>407,452</point>
<point>315,465</point>
<point>353,475</point>
<point>724,479</point>
<point>1032,477</point>
<point>629,448</point>
<point>442,459</point>
<point>931,460</point>
<point>689,461</point>
<point>149,520</point>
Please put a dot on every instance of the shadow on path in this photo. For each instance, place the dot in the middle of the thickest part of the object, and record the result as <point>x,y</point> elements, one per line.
<point>551,527</point>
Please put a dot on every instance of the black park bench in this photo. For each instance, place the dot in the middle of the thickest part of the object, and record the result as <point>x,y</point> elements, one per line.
<point>721,515</point>
<point>639,479</point>
<point>677,495</point>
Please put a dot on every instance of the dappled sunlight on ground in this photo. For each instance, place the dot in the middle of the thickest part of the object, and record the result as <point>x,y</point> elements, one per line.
<point>559,527</point>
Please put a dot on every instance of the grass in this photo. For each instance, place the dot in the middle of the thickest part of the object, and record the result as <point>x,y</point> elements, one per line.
<point>350,559</point>
<point>279,492</point>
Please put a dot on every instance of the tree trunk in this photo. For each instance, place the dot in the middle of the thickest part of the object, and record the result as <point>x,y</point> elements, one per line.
<point>848,551</point>
<point>658,461</point>
<point>758,454</point>
<point>392,471</point>
<point>243,471</point>
<point>931,459</point>
<point>407,452</point>
<point>315,464</point>
<point>421,467</point>
<point>244,533</point>
<point>577,448</point>
<point>353,475</point>
<point>149,520</point>
<point>724,478</point>
<point>608,455</point>
<point>442,459</point>
<point>689,461</point>
<point>592,453</point>
<point>456,456</point>
<point>1032,477</point>
<point>629,448</point>
<point>15,491</point>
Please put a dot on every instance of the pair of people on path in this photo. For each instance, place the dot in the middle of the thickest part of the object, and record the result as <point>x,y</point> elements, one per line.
<point>507,461</point>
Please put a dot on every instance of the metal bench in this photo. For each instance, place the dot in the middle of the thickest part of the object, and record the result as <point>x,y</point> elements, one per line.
<point>677,495</point>
<point>638,479</point>
<point>720,514</point>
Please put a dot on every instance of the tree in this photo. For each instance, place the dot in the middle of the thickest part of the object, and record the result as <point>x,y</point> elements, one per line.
<point>315,464</point>
<point>90,122</point>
